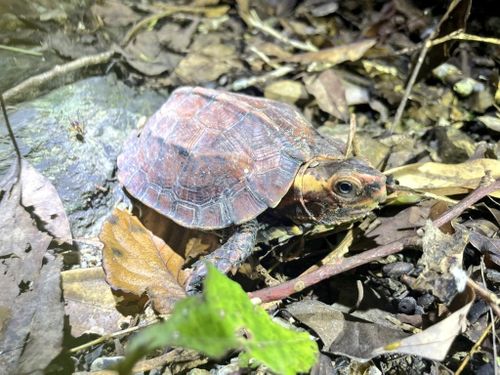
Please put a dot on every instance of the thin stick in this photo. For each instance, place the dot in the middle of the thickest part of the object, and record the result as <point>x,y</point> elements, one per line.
<point>12,137</point>
<point>20,50</point>
<point>409,86</point>
<point>57,71</point>
<point>169,10</point>
<point>475,348</point>
<point>243,83</point>
<point>468,201</point>
<point>110,336</point>
<point>486,295</point>
<point>328,270</point>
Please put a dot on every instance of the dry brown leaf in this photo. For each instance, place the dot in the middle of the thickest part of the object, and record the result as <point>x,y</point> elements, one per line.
<point>89,302</point>
<point>329,92</point>
<point>114,13</point>
<point>42,196</point>
<point>137,262</point>
<point>403,224</point>
<point>145,54</point>
<point>188,243</point>
<point>441,262</point>
<point>435,341</point>
<point>446,179</point>
<point>31,312</point>
<point>335,55</point>
<point>285,90</point>
<point>207,64</point>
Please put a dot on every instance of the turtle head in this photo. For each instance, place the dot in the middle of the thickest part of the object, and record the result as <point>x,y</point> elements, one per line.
<point>332,191</point>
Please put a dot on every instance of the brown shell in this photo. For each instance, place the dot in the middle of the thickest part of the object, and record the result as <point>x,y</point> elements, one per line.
<point>209,159</point>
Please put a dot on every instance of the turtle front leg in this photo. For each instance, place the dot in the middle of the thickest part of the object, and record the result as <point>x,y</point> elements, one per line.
<point>231,254</point>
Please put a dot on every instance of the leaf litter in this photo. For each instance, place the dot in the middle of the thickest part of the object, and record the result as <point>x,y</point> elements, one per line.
<point>32,314</point>
<point>330,59</point>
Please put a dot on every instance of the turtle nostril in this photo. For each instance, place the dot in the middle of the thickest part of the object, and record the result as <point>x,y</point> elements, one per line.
<point>377,191</point>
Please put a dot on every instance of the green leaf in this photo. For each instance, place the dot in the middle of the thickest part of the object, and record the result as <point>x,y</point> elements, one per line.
<point>224,319</point>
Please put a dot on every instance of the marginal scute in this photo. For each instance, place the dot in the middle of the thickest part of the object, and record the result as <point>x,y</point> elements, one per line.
<point>209,159</point>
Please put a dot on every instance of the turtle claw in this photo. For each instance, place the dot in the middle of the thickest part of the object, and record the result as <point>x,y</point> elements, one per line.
<point>195,280</point>
<point>231,254</point>
<point>122,200</point>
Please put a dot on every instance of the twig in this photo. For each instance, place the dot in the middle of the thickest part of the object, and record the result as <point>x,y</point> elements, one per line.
<point>110,336</point>
<point>468,201</point>
<point>421,57</point>
<point>411,82</point>
<point>169,10</point>
<point>20,50</point>
<point>57,71</point>
<point>486,295</point>
<point>461,35</point>
<point>243,83</point>
<point>12,138</point>
<point>475,348</point>
<point>252,19</point>
<point>493,320</point>
<point>328,270</point>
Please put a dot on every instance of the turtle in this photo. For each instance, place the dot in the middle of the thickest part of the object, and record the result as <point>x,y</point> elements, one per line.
<point>210,159</point>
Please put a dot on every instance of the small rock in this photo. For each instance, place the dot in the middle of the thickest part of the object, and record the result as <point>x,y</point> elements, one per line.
<point>105,363</point>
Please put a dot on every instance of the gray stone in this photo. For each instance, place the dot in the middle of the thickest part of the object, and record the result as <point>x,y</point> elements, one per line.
<point>81,167</point>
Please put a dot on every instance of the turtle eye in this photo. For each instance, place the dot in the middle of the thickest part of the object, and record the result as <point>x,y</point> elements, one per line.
<point>345,188</point>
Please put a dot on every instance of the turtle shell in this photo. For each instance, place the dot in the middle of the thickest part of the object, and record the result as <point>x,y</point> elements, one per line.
<point>209,159</point>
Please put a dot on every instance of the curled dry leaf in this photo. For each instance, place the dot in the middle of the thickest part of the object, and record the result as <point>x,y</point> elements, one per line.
<point>137,262</point>
<point>114,13</point>
<point>146,55</point>
<point>207,64</point>
<point>329,92</point>
<point>441,262</point>
<point>90,304</point>
<point>335,55</point>
<point>446,179</point>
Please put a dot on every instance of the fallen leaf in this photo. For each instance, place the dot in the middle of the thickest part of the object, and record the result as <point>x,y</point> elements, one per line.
<point>175,37</point>
<point>404,223</point>
<point>285,90</point>
<point>486,245</point>
<point>323,319</point>
<point>31,312</point>
<point>137,262</point>
<point>434,342</point>
<point>114,13</point>
<point>40,195</point>
<point>446,179</point>
<point>89,302</point>
<point>188,243</point>
<point>145,54</point>
<point>335,55</point>
<point>490,122</point>
<point>328,89</point>
<point>339,333</point>
<point>207,64</point>
<point>440,262</point>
